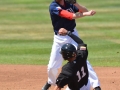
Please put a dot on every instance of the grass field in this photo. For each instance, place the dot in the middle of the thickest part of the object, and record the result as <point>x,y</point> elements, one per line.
<point>26,32</point>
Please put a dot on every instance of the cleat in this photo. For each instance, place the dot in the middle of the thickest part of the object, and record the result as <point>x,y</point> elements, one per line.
<point>46,86</point>
<point>97,88</point>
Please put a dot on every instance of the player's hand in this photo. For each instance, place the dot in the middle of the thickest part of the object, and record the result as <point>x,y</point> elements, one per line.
<point>89,13</point>
<point>62,31</point>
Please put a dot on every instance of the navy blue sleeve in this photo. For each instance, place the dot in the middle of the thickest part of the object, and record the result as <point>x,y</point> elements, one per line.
<point>75,8</point>
<point>54,9</point>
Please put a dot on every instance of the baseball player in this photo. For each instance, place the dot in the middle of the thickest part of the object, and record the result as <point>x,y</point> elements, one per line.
<point>63,15</point>
<point>74,73</point>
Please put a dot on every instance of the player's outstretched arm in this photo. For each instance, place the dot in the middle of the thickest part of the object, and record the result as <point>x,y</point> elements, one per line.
<point>75,38</point>
<point>79,14</point>
<point>69,15</point>
<point>63,32</point>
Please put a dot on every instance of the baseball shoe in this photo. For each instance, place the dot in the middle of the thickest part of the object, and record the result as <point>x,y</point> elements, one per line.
<point>46,86</point>
<point>97,88</point>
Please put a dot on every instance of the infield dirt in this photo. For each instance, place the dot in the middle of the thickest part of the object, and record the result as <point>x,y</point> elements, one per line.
<point>33,77</point>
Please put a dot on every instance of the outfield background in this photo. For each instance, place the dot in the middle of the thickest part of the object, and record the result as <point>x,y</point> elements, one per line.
<point>26,32</point>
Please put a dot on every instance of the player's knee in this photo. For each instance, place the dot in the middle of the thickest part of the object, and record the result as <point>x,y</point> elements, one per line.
<point>52,70</point>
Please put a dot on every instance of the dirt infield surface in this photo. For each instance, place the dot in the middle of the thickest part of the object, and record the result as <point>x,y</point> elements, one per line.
<point>30,77</point>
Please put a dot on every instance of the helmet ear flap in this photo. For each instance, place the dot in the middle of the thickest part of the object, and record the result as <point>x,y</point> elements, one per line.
<point>69,55</point>
<point>74,54</point>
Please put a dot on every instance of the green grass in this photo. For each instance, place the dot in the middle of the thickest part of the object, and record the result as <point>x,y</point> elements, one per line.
<point>24,51</point>
<point>26,32</point>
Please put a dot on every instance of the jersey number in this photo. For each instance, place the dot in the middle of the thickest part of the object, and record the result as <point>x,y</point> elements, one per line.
<point>81,76</point>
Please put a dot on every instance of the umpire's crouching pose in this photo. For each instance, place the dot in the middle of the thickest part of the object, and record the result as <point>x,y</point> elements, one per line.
<point>75,72</point>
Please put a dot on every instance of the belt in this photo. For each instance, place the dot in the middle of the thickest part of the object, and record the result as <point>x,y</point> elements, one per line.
<point>68,30</point>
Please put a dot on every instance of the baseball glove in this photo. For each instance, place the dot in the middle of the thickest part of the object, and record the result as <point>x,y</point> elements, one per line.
<point>71,1</point>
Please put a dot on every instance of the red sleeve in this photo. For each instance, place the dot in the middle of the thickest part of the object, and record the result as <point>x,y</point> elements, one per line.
<point>66,14</point>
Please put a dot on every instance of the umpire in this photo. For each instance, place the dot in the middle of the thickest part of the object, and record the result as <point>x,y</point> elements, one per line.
<point>75,72</point>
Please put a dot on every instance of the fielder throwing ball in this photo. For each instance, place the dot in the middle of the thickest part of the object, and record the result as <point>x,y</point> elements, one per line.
<point>63,15</point>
